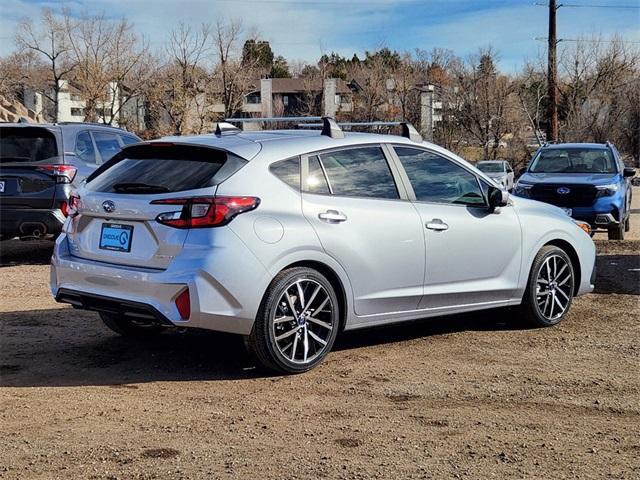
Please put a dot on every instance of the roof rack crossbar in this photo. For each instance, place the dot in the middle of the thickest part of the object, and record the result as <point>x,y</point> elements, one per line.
<point>408,130</point>
<point>272,119</point>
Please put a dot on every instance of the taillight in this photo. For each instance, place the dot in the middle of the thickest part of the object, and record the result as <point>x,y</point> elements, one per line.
<point>204,212</point>
<point>62,173</point>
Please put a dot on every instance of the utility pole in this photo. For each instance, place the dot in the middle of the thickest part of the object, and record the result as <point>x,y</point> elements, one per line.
<point>552,92</point>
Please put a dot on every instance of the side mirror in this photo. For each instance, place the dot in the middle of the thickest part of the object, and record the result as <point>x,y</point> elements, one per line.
<point>522,171</point>
<point>629,172</point>
<point>497,198</point>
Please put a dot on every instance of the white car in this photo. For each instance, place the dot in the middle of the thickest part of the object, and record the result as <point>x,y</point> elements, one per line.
<point>499,171</point>
<point>290,237</point>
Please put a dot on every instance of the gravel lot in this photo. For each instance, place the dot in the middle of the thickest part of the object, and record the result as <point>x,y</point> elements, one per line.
<point>469,396</point>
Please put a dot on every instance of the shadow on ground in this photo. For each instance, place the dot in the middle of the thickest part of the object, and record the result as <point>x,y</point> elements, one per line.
<point>29,252</point>
<point>65,347</point>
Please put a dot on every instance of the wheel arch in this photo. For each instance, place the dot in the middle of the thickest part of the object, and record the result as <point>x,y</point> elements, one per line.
<point>573,256</point>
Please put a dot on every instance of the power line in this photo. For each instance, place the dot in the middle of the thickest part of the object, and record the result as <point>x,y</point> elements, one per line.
<point>577,5</point>
<point>586,40</point>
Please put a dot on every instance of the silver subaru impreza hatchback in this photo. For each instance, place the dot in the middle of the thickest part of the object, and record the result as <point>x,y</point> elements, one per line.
<point>289,237</point>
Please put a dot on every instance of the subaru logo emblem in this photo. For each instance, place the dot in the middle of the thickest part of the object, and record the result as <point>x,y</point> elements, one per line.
<point>563,190</point>
<point>108,206</point>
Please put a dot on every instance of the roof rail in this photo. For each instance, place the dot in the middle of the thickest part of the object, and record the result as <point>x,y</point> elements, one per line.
<point>408,130</point>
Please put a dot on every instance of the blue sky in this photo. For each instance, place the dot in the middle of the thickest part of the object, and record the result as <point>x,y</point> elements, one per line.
<point>304,29</point>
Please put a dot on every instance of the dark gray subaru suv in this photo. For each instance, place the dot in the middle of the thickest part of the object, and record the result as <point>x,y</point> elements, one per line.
<point>39,163</point>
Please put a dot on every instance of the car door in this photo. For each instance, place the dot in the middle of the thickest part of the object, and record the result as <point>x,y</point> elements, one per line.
<point>472,254</point>
<point>363,220</point>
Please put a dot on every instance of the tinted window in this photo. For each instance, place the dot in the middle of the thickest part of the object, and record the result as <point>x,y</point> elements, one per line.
<point>84,148</point>
<point>288,171</point>
<point>148,169</point>
<point>316,181</point>
<point>26,145</point>
<point>359,172</point>
<point>437,179</point>
<point>107,144</point>
<point>128,139</point>
<point>574,160</point>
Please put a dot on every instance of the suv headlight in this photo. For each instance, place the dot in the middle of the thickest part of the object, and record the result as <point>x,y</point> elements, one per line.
<point>607,190</point>
<point>522,189</point>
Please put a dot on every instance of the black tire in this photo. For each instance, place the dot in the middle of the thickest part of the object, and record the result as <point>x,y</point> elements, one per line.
<point>266,346</point>
<point>627,223</point>
<point>617,232</point>
<point>533,309</point>
<point>131,329</point>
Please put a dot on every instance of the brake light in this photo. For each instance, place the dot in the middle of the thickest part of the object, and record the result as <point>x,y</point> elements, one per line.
<point>183,304</point>
<point>62,173</point>
<point>204,212</point>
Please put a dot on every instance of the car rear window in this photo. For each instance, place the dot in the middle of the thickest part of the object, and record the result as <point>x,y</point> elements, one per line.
<point>156,168</point>
<point>22,145</point>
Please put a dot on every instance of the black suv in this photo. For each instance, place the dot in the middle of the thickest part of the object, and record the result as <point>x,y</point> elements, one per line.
<point>39,163</point>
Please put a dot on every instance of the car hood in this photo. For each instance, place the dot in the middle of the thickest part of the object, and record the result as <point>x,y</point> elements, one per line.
<point>496,174</point>
<point>570,178</point>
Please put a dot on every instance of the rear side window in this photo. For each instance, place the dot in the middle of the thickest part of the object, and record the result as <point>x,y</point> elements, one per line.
<point>149,169</point>
<point>84,148</point>
<point>20,145</point>
<point>359,172</point>
<point>316,182</point>
<point>129,140</point>
<point>107,144</point>
<point>288,171</point>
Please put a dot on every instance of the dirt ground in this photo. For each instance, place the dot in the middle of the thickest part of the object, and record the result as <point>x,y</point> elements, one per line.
<point>469,396</point>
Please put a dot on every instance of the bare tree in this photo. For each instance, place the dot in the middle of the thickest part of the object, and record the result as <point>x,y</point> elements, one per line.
<point>482,99</point>
<point>234,78</point>
<point>50,39</point>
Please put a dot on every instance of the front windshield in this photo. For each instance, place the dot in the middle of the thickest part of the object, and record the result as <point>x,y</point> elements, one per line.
<point>574,160</point>
<point>491,167</point>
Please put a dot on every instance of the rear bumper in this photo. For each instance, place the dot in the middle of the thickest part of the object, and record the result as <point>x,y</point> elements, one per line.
<point>115,306</point>
<point>216,277</point>
<point>26,222</point>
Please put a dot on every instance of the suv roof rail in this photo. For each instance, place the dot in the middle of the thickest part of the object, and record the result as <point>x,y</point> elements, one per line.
<point>408,130</point>
<point>95,124</point>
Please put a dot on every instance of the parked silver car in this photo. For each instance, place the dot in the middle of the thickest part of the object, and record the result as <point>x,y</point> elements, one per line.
<point>290,237</point>
<point>499,171</point>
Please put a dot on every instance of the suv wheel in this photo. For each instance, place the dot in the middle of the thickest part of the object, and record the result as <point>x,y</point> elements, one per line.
<point>297,323</point>
<point>550,288</point>
<point>617,232</point>
<point>131,328</point>
<point>627,223</point>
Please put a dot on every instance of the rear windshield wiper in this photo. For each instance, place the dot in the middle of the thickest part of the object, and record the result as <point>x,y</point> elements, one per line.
<point>139,188</point>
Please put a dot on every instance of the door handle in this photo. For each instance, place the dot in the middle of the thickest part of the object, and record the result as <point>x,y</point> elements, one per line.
<point>437,224</point>
<point>332,216</point>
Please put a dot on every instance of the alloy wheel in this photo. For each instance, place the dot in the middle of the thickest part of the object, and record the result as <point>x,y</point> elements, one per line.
<point>554,287</point>
<point>303,321</point>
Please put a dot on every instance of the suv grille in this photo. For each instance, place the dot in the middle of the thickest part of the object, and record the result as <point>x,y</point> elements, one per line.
<point>578,195</point>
